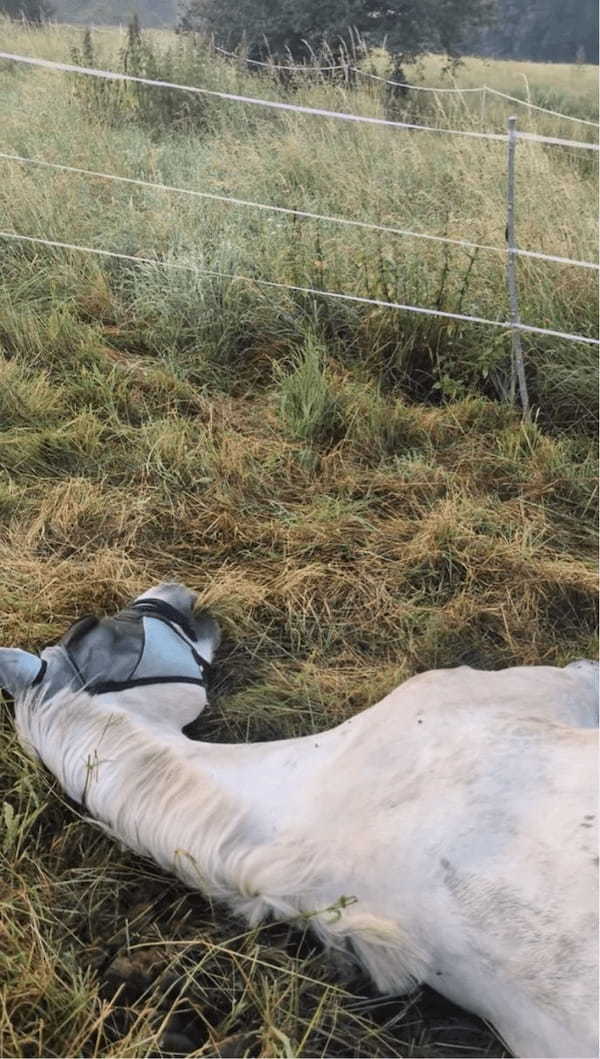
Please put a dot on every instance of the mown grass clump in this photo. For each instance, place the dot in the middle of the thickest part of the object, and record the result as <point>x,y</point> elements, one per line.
<point>342,485</point>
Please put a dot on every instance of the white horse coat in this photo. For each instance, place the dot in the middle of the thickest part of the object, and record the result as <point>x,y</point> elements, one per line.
<point>445,836</point>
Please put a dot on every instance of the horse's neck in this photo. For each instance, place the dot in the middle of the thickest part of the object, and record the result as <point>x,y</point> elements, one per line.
<point>202,810</point>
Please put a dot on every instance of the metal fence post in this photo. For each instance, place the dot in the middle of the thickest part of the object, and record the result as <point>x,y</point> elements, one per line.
<point>482,108</point>
<point>517,364</point>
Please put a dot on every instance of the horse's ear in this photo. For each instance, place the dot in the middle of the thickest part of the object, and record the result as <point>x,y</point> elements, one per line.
<point>176,595</point>
<point>18,670</point>
<point>209,634</point>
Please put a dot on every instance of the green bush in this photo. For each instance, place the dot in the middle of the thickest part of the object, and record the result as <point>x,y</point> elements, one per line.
<point>184,62</point>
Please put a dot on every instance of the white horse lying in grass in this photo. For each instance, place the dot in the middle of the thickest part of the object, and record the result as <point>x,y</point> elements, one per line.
<point>443,836</point>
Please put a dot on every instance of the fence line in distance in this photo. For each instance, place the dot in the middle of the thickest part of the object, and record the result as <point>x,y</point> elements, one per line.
<point>483,89</point>
<point>277,66</point>
<point>407,84</point>
<point>111,75</point>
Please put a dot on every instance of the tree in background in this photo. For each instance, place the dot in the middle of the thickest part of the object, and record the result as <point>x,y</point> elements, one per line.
<point>300,28</point>
<point>30,10</point>
<point>543,30</point>
<point>159,14</point>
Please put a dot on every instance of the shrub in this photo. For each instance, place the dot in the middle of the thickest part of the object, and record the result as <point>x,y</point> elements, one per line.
<point>155,108</point>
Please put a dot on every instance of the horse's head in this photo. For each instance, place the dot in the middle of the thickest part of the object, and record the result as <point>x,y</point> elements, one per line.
<point>155,640</point>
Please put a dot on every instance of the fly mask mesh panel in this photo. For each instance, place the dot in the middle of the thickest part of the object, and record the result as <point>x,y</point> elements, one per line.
<point>148,642</point>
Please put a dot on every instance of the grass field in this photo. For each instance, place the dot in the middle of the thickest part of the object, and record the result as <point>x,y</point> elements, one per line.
<point>342,484</point>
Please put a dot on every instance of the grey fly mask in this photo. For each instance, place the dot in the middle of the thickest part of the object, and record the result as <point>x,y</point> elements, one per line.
<point>155,639</point>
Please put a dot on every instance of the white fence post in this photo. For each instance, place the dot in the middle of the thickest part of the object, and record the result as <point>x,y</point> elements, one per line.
<point>517,364</point>
<point>483,108</point>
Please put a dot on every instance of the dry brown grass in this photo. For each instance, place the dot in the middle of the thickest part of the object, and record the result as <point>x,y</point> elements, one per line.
<point>337,569</point>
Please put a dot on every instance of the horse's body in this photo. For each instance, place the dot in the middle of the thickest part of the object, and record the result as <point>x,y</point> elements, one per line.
<point>443,836</point>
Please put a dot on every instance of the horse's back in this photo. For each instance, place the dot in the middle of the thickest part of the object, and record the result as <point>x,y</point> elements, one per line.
<point>465,808</point>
